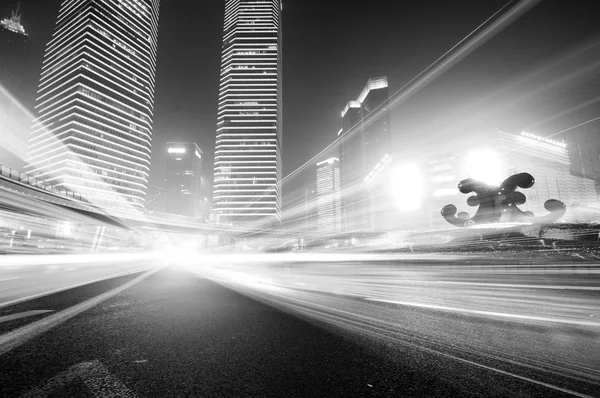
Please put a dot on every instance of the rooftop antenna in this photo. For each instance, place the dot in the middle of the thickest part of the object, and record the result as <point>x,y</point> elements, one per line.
<point>16,15</point>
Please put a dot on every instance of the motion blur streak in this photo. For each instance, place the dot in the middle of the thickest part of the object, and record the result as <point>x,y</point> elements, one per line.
<point>539,323</point>
<point>501,19</point>
<point>20,336</point>
<point>23,277</point>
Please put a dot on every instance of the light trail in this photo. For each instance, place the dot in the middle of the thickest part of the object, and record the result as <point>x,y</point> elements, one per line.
<point>16,338</point>
<point>498,21</point>
<point>507,315</point>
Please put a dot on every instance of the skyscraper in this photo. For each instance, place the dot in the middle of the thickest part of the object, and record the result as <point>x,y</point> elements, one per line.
<point>249,136</point>
<point>95,101</point>
<point>329,218</point>
<point>182,193</point>
<point>363,153</point>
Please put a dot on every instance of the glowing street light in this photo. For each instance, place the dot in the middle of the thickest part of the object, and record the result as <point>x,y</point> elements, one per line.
<point>484,165</point>
<point>407,187</point>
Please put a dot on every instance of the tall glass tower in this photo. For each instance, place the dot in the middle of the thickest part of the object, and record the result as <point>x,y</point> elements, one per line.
<point>249,136</point>
<point>95,101</point>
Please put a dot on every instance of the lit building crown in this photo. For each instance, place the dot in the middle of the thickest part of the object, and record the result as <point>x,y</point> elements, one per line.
<point>14,23</point>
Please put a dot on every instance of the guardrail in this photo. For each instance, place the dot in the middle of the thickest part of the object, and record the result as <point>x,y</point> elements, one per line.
<point>24,178</point>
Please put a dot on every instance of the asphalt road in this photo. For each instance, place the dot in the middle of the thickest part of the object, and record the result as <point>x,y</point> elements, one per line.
<point>173,333</point>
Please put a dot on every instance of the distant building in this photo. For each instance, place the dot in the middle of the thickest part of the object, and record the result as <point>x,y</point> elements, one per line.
<point>310,209</point>
<point>329,216</point>
<point>93,130</point>
<point>14,52</point>
<point>183,179</point>
<point>584,155</point>
<point>14,48</point>
<point>155,201</point>
<point>363,152</point>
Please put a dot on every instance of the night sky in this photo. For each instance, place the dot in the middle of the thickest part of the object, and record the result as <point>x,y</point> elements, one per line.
<point>330,49</point>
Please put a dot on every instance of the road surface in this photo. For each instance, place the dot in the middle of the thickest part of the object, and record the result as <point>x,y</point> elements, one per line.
<point>300,331</point>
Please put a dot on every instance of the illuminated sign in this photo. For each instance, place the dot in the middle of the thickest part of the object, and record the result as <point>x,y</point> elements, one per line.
<point>559,144</point>
<point>328,161</point>
<point>176,150</point>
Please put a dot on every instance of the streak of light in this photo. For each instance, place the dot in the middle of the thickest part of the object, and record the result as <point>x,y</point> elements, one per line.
<point>503,317</point>
<point>487,313</point>
<point>493,25</point>
<point>16,338</point>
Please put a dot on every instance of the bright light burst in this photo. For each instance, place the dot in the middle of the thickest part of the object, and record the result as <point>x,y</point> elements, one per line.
<point>484,165</point>
<point>407,187</point>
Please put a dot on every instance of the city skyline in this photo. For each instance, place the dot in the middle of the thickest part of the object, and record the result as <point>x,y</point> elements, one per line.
<point>190,104</point>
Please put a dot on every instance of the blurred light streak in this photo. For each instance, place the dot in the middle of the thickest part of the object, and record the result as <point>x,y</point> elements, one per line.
<point>507,14</point>
<point>505,314</point>
<point>15,338</point>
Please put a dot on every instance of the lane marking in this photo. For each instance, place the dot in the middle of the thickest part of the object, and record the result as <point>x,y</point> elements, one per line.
<point>23,315</point>
<point>487,313</point>
<point>13,339</point>
<point>563,287</point>
<point>61,289</point>
<point>8,279</point>
<point>408,282</point>
<point>94,375</point>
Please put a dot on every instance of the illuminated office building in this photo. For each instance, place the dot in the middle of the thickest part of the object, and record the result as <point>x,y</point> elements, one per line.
<point>364,153</point>
<point>248,144</point>
<point>95,101</point>
<point>183,179</point>
<point>329,217</point>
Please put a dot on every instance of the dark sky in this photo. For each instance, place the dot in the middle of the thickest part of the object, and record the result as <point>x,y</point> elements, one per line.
<point>330,49</point>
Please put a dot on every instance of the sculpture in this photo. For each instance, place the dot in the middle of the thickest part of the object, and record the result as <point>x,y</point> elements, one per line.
<point>499,204</point>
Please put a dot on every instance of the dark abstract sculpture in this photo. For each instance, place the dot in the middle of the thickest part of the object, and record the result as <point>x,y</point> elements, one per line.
<point>498,204</point>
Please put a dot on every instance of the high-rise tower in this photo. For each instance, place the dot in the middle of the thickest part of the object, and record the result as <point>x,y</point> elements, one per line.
<point>363,153</point>
<point>183,179</point>
<point>329,215</point>
<point>95,101</point>
<point>249,136</point>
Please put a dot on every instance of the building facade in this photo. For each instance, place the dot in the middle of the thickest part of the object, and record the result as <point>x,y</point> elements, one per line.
<point>183,179</point>
<point>365,148</point>
<point>249,137</point>
<point>329,212</point>
<point>93,130</point>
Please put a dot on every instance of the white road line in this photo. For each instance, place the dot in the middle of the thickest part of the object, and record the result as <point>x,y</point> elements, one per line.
<point>22,335</point>
<point>8,279</point>
<point>487,313</point>
<point>93,374</point>
<point>60,289</point>
<point>23,315</point>
<point>561,287</point>
<point>425,282</point>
